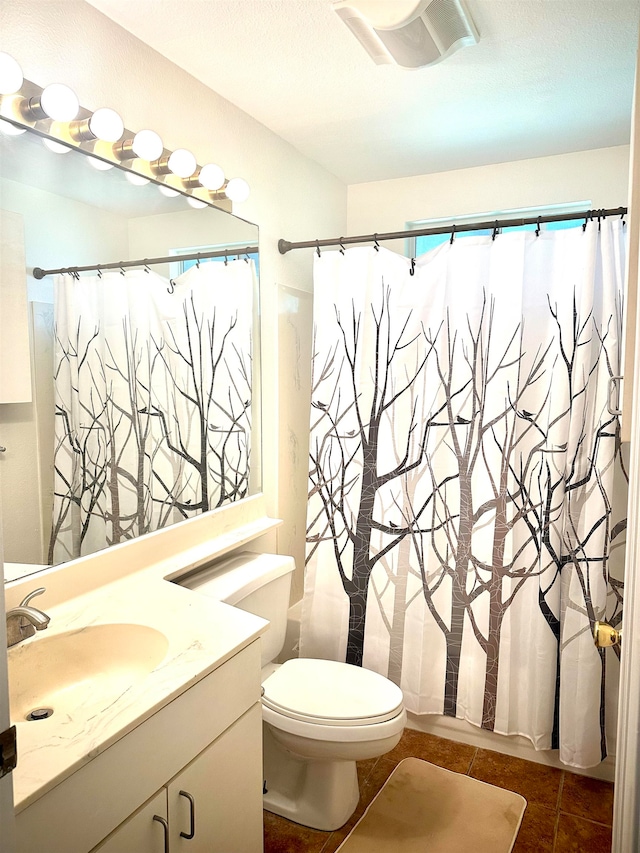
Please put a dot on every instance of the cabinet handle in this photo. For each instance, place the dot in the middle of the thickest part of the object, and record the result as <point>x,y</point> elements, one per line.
<point>192,815</point>
<point>165,829</point>
<point>613,395</point>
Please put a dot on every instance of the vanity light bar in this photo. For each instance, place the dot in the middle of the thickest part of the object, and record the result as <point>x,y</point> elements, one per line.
<point>54,113</point>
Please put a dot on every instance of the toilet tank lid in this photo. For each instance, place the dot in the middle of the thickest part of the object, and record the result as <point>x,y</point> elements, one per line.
<point>237,576</point>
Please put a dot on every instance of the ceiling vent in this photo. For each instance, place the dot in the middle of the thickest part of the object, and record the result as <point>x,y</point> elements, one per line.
<point>411,33</point>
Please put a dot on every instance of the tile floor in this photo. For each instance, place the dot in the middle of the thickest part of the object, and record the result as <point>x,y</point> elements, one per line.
<point>565,812</point>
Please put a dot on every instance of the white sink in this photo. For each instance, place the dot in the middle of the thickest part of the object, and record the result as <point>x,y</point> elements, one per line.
<point>84,670</point>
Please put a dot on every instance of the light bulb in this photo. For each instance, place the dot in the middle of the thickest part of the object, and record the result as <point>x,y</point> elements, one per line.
<point>168,191</point>
<point>135,179</point>
<point>211,176</point>
<point>237,189</point>
<point>9,129</point>
<point>11,78</point>
<point>100,165</point>
<point>182,163</point>
<point>59,102</point>
<point>56,147</point>
<point>147,145</point>
<point>106,124</point>
<point>195,202</point>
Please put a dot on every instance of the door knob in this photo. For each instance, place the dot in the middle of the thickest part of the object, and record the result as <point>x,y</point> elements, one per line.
<point>604,635</point>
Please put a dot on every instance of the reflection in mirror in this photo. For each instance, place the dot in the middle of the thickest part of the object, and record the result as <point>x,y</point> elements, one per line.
<point>153,416</point>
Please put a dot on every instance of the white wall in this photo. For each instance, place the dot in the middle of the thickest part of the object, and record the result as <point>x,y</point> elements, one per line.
<point>292,197</point>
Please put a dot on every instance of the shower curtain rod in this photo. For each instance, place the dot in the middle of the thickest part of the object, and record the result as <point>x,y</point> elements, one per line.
<point>145,262</point>
<point>285,246</point>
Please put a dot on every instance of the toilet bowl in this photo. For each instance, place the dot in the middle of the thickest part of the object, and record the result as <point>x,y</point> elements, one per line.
<point>319,716</point>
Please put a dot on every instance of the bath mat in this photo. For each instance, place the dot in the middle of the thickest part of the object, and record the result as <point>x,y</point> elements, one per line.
<point>422,808</point>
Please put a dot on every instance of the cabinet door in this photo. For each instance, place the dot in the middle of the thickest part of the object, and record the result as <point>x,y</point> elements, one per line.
<point>221,799</point>
<point>140,833</point>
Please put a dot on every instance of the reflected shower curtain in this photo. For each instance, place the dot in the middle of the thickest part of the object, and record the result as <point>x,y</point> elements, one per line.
<point>153,401</point>
<point>467,494</point>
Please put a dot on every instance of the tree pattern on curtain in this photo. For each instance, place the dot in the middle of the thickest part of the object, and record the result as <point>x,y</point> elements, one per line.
<point>153,401</point>
<point>462,530</point>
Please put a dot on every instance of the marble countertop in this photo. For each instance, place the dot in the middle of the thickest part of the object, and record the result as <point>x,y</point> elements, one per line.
<point>201,634</point>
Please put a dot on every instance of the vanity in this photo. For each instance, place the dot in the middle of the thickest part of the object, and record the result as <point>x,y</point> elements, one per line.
<point>155,741</point>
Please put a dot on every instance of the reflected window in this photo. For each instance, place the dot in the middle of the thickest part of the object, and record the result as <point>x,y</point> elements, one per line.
<point>235,251</point>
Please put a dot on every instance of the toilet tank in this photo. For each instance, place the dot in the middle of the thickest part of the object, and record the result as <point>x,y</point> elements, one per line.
<point>257,583</point>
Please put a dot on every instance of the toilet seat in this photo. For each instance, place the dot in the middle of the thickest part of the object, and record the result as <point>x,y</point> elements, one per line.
<point>330,693</point>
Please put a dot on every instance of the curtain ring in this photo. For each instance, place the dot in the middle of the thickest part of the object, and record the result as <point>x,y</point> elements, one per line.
<point>226,260</point>
<point>122,272</point>
<point>198,263</point>
<point>246,255</point>
<point>412,269</point>
<point>600,218</point>
<point>99,271</point>
<point>318,248</point>
<point>586,220</point>
<point>495,230</point>
<point>538,228</point>
<point>172,286</point>
<point>453,234</point>
<point>341,247</point>
<point>376,245</point>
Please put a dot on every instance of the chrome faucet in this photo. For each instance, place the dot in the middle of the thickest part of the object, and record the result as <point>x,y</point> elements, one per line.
<point>23,621</point>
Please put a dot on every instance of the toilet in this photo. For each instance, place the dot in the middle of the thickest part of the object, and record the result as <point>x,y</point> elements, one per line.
<point>319,716</point>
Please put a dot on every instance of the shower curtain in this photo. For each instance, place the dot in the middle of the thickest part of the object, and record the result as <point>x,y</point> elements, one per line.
<point>152,401</point>
<point>467,492</point>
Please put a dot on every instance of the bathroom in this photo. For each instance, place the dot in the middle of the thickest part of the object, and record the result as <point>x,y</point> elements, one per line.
<point>292,197</point>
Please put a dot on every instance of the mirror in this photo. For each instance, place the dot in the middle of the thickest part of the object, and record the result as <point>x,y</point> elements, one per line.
<point>59,211</point>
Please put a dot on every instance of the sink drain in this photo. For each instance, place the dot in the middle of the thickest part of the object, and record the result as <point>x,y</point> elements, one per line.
<point>39,714</point>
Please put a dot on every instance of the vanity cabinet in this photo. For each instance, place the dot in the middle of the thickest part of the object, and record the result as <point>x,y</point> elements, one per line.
<point>206,741</point>
<point>217,797</point>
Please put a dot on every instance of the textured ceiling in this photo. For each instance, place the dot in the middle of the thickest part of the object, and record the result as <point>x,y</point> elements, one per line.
<point>547,77</point>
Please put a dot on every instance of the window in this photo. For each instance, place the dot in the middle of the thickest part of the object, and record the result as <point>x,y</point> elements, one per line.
<point>419,245</point>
